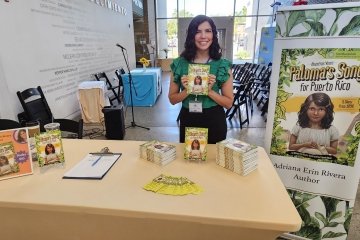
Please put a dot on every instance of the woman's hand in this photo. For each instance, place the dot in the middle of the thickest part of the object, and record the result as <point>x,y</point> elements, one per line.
<point>185,81</point>
<point>311,145</point>
<point>212,81</point>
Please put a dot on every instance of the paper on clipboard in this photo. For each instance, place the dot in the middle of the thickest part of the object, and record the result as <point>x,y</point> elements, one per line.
<point>93,166</point>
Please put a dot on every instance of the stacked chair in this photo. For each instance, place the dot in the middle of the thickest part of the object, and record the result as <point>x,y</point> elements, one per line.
<point>251,81</point>
<point>36,108</point>
<point>112,87</point>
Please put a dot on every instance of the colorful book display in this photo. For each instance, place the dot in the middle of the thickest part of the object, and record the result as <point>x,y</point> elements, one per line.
<point>15,155</point>
<point>49,148</point>
<point>195,143</point>
<point>198,75</point>
<point>237,156</point>
<point>158,152</point>
<point>171,185</point>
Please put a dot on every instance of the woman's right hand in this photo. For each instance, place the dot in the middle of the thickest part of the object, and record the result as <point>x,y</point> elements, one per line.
<point>185,81</point>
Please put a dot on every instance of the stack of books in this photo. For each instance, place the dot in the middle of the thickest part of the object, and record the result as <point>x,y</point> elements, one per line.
<point>157,152</point>
<point>237,156</point>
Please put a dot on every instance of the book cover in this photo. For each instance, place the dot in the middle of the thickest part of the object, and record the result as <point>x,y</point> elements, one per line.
<point>198,75</point>
<point>15,156</point>
<point>49,148</point>
<point>241,147</point>
<point>195,143</point>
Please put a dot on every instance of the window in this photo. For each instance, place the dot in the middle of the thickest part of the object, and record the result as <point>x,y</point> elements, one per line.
<point>166,8</point>
<point>213,8</point>
<point>250,16</point>
<point>190,8</point>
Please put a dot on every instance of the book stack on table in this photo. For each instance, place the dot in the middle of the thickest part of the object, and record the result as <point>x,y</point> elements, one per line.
<point>237,156</point>
<point>157,152</point>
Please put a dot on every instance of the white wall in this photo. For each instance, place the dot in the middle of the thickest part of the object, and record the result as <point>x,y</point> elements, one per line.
<point>57,44</point>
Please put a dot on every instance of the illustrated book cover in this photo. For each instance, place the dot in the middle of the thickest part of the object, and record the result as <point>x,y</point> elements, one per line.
<point>49,148</point>
<point>15,155</point>
<point>196,140</point>
<point>198,75</point>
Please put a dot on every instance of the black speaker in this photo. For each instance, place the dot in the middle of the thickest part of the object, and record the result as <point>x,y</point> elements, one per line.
<point>114,122</point>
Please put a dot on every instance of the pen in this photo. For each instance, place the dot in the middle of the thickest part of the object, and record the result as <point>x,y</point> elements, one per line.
<point>96,161</point>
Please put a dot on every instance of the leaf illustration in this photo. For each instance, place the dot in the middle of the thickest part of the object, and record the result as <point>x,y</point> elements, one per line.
<point>310,232</point>
<point>353,28</point>
<point>295,18</point>
<point>348,215</point>
<point>335,215</point>
<point>340,11</point>
<point>330,206</point>
<point>333,235</point>
<point>322,218</point>
<point>278,31</point>
<point>333,30</point>
<point>317,28</point>
<point>315,15</point>
<point>332,224</point>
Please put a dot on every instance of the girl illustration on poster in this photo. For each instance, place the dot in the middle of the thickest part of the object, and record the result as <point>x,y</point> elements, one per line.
<point>314,132</point>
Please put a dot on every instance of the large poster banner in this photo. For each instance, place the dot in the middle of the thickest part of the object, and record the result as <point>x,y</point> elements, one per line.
<point>313,127</point>
<point>316,133</point>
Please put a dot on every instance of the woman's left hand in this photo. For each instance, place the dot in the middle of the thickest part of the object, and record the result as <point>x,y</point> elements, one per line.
<point>212,81</point>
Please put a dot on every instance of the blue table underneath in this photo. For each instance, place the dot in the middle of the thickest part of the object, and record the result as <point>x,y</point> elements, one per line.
<point>146,86</point>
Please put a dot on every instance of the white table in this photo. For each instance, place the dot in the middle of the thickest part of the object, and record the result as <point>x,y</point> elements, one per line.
<point>45,206</point>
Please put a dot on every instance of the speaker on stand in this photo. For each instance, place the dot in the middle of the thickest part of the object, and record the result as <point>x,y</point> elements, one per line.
<point>114,122</point>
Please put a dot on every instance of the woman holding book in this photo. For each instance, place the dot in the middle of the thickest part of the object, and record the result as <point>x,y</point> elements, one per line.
<point>205,111</point>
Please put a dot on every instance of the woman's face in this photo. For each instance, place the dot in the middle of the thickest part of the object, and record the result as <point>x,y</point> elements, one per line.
<point>204,36</point>
<point>48,149</point>
<point>23,134</point>
<point>196,145</point>
<point>316,113</point>
<point>197,81</point>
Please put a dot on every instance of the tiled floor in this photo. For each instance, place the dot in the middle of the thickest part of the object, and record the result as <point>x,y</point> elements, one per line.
<point>161,119</point>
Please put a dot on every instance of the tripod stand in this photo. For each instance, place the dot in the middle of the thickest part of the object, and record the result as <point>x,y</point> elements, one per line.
<point>133,124</point>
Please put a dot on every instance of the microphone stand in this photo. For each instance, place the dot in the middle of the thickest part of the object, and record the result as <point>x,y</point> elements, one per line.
<point>133,124</point>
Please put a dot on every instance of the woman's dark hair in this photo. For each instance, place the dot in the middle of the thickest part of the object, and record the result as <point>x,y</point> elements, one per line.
<point>198,144</point>
<point>190,47</point>
<point>19,137</point>
<point>198,77</point>
<point>6,160</point>
<point>322,100</point>
<point>52,148</point>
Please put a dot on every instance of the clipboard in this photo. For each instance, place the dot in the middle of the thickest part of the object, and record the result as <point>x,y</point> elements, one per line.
<point>93,166</point>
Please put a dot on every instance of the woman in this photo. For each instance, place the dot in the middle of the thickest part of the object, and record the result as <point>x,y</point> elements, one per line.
<point>22,136</point>
<point>206,111</point>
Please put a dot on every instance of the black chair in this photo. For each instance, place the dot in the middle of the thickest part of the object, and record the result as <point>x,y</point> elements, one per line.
<point>35,106</point>
<point>71,126</point>
<point>118,74</point>
<point>113,88</point>
<point>9,124</point>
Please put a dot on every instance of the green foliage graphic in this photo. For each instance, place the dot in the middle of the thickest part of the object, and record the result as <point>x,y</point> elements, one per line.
<point>314,24</point>
<point>317,227</point>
